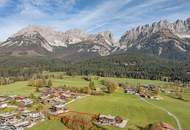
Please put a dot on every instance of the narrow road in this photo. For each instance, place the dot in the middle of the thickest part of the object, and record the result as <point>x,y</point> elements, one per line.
<point>165,110</point>
<point>75,100</point>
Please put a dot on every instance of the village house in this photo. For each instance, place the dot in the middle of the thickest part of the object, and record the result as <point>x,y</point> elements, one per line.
<point>3,105</point>
<point>130,90</point>
<point>151,87</point>
<point>156,97</point>
<point>5,98</point>
<point>5,117</point>
<point>33,116</point>
<point>27,101</point>
<point>106,120</point>
<point>110,120</point>
<point>25,120</point>
<point>58,109</point>
<point>20,123</point>
<point>19,98</point>
<point>36,116</point>
<point>8,127</point>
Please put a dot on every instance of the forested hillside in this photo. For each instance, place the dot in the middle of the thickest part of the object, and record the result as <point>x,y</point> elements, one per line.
<point>135,65</point>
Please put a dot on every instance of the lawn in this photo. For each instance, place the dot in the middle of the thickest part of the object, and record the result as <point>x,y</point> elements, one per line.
<point>178,107</point>
<point>21,88</point>
<point>137,81</point>
<point>78,81</point>
<point>17,88</point>
<point>49,125</point>
<point>74,81</point>
<point>128,106</point>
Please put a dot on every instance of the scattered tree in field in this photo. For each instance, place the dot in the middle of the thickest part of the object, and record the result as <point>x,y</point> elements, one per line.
<point>32,96</point>
<point>39,83</point>
<point>39,107</point>
<point>178,93</point>
<point>61,76</point>
<point>141,89</point>
<point>6,80</point>
<point>157,91</point>
<point>92,85</point>
<point>118,119</point>
<point>111,86</point>
<point>87,78</point>
<point>49,83</point>
<point>37,89</point>
<point>87,90</point>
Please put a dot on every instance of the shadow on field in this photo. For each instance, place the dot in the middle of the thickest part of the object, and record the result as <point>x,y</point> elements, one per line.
<point>140,127</point>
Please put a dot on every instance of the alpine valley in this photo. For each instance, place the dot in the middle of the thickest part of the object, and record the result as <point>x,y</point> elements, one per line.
<point>162,42</point>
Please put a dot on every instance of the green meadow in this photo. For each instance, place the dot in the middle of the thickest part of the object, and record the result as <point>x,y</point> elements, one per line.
<point>131,107</point>
<point>128,106</point>
<point>21,87</point>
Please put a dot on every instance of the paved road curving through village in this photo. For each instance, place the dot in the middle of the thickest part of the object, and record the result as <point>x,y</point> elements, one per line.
<point>165,110</point>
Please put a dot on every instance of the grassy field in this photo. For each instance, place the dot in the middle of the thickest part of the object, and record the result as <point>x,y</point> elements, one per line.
<point>178,107</point>
<point>17,88</point>
<point>137,81</point>
<point>131,107</point>
<point>75,81</point>
<point>128,106</point>
<point>21,88</point>
<point>49,125</point>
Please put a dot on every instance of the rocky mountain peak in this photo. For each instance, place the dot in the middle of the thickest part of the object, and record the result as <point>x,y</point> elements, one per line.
<point>31,42</point>
<point>106,38</point>
<point>188,20</point>
<point>158,35</point>
<point>74,31</point>
<point>42,29</point>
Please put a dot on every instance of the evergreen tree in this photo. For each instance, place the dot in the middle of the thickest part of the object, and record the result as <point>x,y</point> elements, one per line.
<point>50,83</point>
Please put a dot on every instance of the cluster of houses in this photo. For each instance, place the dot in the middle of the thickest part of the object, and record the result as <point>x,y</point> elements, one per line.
<point>23,101</point>
<point>19,118</point>
<point>109,120</point>
<point>145,91</point>
<point>57,98</point>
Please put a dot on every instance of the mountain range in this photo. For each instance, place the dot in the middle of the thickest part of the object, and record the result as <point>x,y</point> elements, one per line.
<point>163,38</point>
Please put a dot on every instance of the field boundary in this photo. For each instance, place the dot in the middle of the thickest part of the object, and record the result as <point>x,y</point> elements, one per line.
<point>65,118</point>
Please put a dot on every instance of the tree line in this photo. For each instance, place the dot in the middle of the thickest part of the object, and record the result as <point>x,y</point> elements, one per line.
<point>131,65</point>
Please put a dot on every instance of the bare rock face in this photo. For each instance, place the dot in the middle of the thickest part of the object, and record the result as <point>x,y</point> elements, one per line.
<point>27,43</point>
<point>101,43</point>
<point>159,38</point>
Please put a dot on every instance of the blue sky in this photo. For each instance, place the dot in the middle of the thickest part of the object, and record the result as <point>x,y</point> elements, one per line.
<point>89,15</point>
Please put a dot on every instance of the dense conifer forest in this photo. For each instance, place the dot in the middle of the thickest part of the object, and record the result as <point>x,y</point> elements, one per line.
<point>132,65</point>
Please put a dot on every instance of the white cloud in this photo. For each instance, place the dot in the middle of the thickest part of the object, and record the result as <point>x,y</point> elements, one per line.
<point>3,2</point>
<point>89,18</point>
<point>115,15</point>
<point>29,10</point>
